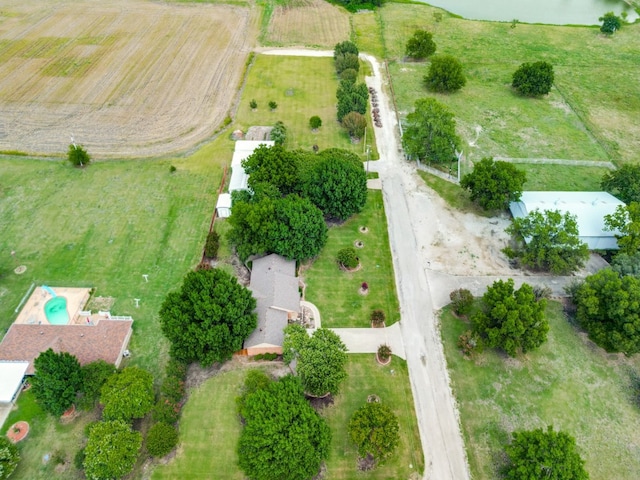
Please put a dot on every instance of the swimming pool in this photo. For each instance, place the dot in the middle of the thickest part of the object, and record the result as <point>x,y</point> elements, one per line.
<point>56,311</point>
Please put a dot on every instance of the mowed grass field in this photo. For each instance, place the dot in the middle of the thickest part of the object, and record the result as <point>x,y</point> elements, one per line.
<point>210,428</point>
<point>126,78</point>
<point>336,292</point>
<point>302,87</point>
<point>569,383</point>
<point>311,23</point>
<point>590,114</point>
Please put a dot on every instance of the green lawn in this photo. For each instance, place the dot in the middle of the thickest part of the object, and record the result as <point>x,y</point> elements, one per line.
<point>336,292</point>
<point>589,115</point>
<point>302,87</point>
<point>568,383</point>
<point>210,428</point>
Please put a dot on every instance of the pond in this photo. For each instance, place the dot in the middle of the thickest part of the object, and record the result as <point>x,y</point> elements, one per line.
<point>558,12</point>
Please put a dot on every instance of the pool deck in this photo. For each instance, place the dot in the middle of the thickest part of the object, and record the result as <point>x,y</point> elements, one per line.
<point>33,311</point>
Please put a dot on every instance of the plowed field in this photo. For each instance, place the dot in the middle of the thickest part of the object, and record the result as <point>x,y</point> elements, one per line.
<point>125,77</point>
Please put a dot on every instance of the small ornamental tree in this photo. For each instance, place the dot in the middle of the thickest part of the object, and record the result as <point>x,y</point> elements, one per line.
<point>161,439</point>
<point>420,45</point>
<point>94,376</point>
<point>445,74</point>
<point>377,317</point>
<point>611,23</point>
<point>78,156</point>
<point>375,431</point>
<point>349,75</point>
<point>112,450</point>
<point>57,380</point>
<point>127,395</point>
<point>552,241</point>
<point>512,319</point>
<point>208,318</point>
<point>9,458</point>
<point>494,185</point>
<point>344,48</point>
<point>608,307</point>
<point>321,358</point>
<point>348,61</point>
<point>337,184</point>
<point>272,105</point>
<point>348,258</point>
<point>533,79</point>
<point>623,182</point>
<point>626,222</point>
<point>430,132</point>
<point>352,97</point>
<point>355,124</point>
<point>315,122</point>
<point>253,104</point>
<point>461,301</point>
<point>212,244</point>
<point>537,454</point>
<point>278,133</point>
<point>283,436</point>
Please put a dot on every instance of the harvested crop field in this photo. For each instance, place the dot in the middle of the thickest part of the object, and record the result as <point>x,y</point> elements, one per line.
<point>125,78</point>
<point>309,23</point>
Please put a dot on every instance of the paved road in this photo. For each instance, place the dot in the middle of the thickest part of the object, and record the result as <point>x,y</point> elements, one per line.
<point>445,456</point>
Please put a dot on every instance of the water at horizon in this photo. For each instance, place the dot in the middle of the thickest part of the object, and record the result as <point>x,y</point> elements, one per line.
<point>557,12</point>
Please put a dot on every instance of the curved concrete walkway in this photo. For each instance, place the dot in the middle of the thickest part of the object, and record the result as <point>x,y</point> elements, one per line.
<point>367,340</point>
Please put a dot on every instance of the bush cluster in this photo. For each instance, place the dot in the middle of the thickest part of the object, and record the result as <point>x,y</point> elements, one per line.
<point>461,301</point>
<point>167,408</point>
<point>212,245</point>
<point>161,439</point>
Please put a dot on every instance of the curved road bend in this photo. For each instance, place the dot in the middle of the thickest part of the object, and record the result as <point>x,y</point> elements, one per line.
<point>444,453</point>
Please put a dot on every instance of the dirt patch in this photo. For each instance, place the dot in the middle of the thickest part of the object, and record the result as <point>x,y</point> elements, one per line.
<point>258,133</point>
<point>320,403</point>
<point>131,78</point>
<point>366,463</point>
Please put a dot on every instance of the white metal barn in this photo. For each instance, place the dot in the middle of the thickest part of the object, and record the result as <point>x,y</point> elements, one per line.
<point>244,148</point>
<point>588,207</point>
<point>223,206</point>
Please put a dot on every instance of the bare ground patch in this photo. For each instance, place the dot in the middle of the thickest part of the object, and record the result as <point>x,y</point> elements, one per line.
<point>125,78</point>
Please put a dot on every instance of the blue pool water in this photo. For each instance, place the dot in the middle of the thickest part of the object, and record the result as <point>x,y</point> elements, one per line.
<point>56,311</point>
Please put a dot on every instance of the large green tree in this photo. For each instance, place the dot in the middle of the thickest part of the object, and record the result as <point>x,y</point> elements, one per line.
<point>608,307</point>
<point>9,458</point>
<point>375,431</point>
<point>445,74</point>
<point>533,79</point>
<point>420,45</point>
<point>94,376</point>
<point>539,454</point>
<point>291,226</point>
<point>552,241</point>
<point>321,358</point>
<point>283,437</point>
<point>623,182</point>
<point>626,221</point>
<point>127,395</point>
<point>493,185</point>
<point>352,97</point>
<point>57,380</point>
<point>511,319</point>
<point>611,23</point>
<point>337,184</point>
<point>208,318</point>
<point>111,451</point>
<point>274,165</point>
<point>430,132</point>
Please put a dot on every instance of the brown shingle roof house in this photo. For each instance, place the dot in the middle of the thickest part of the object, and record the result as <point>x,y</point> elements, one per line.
<point>107,340</point>
<point>275,287</point>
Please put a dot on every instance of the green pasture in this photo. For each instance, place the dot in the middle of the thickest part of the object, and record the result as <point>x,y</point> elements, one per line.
<point>547,177</point>
<point>366,31</point>
<point>210,428</point>
<point>569,383</point>
<point>589,114</point>
<point>302,87</point>
<point>105,226</point>
<point>336,292</point>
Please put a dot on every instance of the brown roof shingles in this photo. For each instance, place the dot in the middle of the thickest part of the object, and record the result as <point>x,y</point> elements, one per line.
<point>104,341</point>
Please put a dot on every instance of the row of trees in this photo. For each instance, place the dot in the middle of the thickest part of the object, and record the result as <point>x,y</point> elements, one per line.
<point>291,194</point>
<point>352,97</point>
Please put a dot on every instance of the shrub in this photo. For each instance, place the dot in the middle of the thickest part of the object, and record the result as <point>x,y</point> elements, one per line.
<point>377,317</point>
<point>173,388</point>
<point>533,79</point>
<point>315,122</point>
<point>161,439</point>
<point>445,74</point>
<point>9,457</point>
<point>176,368</point>
<point>253,104</point>
<point>266,356</point>
<point>354,123</point>
<point>610,23</point>
<point>166,411</point>
<point>172,169</point>
<point>348,258</point>
<point>349,75</point>
<point>78,459</point>
<point>211,245</point>
<point>78,156</point>
<point>542,291</point>
<point>364,286</point>
<point>384,352</point>
<point>470,342</point>
<point>278,133</point>
<point>461,301</point>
